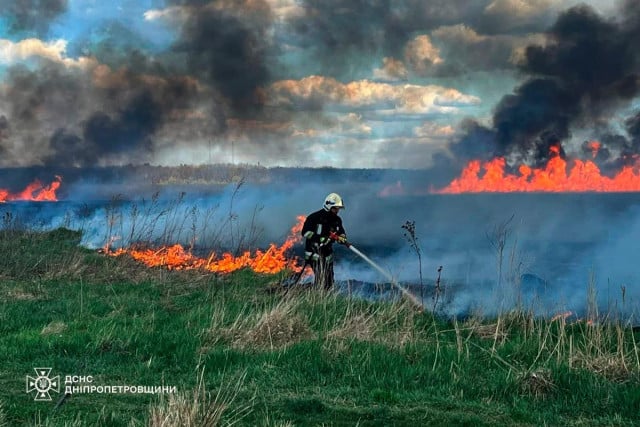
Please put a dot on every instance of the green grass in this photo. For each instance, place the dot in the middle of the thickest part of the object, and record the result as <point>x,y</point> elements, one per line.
<point>238,354</point>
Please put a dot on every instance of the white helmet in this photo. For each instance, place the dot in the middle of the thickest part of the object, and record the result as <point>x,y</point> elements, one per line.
<point>333,200</point>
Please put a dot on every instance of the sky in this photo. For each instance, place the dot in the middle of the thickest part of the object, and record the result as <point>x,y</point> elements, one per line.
<point>413,84</point>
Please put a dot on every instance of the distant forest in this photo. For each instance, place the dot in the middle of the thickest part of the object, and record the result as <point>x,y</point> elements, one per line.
<point>214,174</point>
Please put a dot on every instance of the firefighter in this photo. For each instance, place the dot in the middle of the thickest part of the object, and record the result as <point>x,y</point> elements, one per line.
<point>321,229</point>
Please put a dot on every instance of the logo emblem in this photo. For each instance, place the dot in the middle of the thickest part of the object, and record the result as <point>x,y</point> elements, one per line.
<point>42,384</point>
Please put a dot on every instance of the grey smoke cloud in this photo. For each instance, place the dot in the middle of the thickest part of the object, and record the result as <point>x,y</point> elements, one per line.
<point>123,101</point>
<point>31,16</point>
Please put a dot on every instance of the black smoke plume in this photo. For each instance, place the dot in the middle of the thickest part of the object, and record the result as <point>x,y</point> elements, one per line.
<point>228,53</point>
<point>589,68</point>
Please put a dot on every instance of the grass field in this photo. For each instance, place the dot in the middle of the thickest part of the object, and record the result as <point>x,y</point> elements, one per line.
<point>235,353</point>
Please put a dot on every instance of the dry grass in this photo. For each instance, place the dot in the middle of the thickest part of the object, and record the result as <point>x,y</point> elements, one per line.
<point>614,367</point>
<point>54,328</point>
<point>357,326</point>
<point>487,331</point>
<point>200,408</point>
<point>391,324</point>
<point>279,424</point>
<point>607,351</point>
<point>538,383</point>
<point>16,294</point>
<point>275,328</point>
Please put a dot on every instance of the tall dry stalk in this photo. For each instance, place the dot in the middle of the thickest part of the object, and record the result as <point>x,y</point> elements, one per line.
<point>412,238</point>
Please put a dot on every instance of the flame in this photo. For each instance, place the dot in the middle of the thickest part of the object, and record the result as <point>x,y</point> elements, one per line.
<point>36,192</point>
<point>556,176</point>
<point>176,257</point>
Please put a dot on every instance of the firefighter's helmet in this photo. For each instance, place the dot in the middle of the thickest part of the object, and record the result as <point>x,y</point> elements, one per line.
<point>333,200</point>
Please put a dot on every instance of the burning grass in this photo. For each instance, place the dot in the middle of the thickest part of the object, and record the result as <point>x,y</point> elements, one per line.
<point>557,175</point>
<point>176,257</point>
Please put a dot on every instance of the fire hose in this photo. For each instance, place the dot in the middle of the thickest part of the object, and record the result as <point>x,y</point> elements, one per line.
<point>412,298</point>
<point>343,241</point>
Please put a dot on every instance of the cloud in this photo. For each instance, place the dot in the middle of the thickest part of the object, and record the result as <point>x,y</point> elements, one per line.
<point>391,70</point>
<point>286,9</point>
<point>340,36</point>
<point>466,50</point>
<point>434,130</point>
<point>174,15</point>
<point>317,91</point>
<point>341,125</point>
<point>518,9</point>
<point>454,50</point>
<point>24,50</point>
<point>421,55</point>
<point>460,34</point>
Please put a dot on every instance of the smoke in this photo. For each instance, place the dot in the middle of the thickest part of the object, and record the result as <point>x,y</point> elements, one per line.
<point>31,16</point>
<point>128,132</point>
<point>72,118</point>
<point>344,37</point>
<point>4,128</point>
<point>588,70</point>
<point>227,53</point>
<point>122,101</point>
<point>498,251</point>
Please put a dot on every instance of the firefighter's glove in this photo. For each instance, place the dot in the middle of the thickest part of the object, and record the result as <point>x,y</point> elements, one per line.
<point>340,238</point>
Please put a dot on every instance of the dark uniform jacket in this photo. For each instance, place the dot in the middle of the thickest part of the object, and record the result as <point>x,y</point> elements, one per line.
<point>316,230</point>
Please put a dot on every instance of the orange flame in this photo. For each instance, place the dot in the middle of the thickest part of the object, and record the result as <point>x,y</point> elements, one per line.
<point>556,176</point>
<point>36,192</point>
<point>175,257</point>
